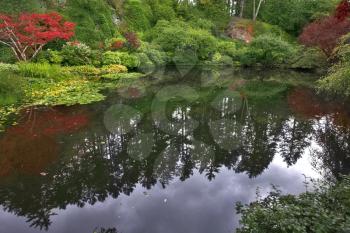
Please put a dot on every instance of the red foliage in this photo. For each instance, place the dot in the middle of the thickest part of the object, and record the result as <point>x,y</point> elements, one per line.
<point>132,39</point>
<point>27,33</point>
<point>343,10</point>
<point>325,33</point>
<point>118,44</point>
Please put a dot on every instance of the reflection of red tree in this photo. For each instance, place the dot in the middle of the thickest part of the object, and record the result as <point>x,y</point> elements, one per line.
<point>31,146</point>
<point>305,103</point>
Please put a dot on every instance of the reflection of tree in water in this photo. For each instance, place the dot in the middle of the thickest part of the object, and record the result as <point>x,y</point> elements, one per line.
<point>294,140</point>
<point>330,130</point>
<point>95,163</point>
<point>333,155</point>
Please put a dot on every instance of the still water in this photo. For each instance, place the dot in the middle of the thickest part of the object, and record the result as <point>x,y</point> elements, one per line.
<point>169,153</point>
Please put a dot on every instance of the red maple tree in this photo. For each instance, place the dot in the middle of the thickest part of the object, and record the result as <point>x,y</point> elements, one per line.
<point>325,33</point>
<point>343,10</point>
<point>28,33</point>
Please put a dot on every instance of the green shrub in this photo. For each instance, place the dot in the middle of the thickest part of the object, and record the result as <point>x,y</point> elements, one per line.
<point>76,54</point>
<point>178,35</point>
<point>113,69</point>
<point>110,57</point>
<point>122,58</point>
<point>138,15</point>
<point>6,55</point>
<point>267,50</point>
<point>201,23</point>
<point>94,20</point>
<point>86,70</point>
<point>50,56</point>
<point>154,53</point>
<point>326,209</point>
<point>122,76</point>
<point>309,58</point>
<point>337,82</point>
<point>145,63</point>
<point>163,11</point>
<point>227,48</point>
<point>11,88</point>
<point>8,67</point>
<point>296,14</point>
<point>41,70</point>
<point>223,60</point>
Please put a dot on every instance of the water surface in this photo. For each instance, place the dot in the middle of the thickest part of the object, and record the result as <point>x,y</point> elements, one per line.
<point>170,153</point>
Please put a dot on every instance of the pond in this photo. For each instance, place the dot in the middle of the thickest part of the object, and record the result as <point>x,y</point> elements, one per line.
<point>170,153</point>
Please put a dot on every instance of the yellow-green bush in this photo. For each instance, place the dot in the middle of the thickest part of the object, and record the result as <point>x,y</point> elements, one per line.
<point>41,70</point>
<point>121,58</point>
<point>113,69</point>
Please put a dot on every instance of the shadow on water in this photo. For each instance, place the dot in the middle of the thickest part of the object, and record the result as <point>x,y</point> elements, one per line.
<point>149,141</point>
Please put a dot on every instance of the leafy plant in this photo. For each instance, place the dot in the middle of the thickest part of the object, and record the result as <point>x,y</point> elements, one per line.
<point>41,70</point>
<point>325,33</point>
<point>177,35</point>
<point>76,54</point>
<point>267,50</point>
<point>326,209</point>
<point>120,58</point>
<point>66,92</point>
<point>337,81</point>
<point>28,33</point>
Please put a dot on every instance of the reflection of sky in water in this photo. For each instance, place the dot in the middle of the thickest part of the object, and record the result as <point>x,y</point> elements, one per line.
<point>195,205</point>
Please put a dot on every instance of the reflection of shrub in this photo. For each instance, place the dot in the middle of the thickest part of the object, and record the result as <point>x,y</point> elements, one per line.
<point>264,89</point>
<point>324,210</point>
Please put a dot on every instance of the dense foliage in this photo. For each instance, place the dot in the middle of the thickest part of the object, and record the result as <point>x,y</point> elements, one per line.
<point>27,34</point>
<point>268,51</point>
<point>325,33</point>
<point>296,13</point>
<point>326,209</point>
<point>337,82</point>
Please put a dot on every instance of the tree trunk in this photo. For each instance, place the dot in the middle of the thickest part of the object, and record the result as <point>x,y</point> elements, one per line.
<point>256,12</point>
<point>253,9</point>
<point>242,8</point>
